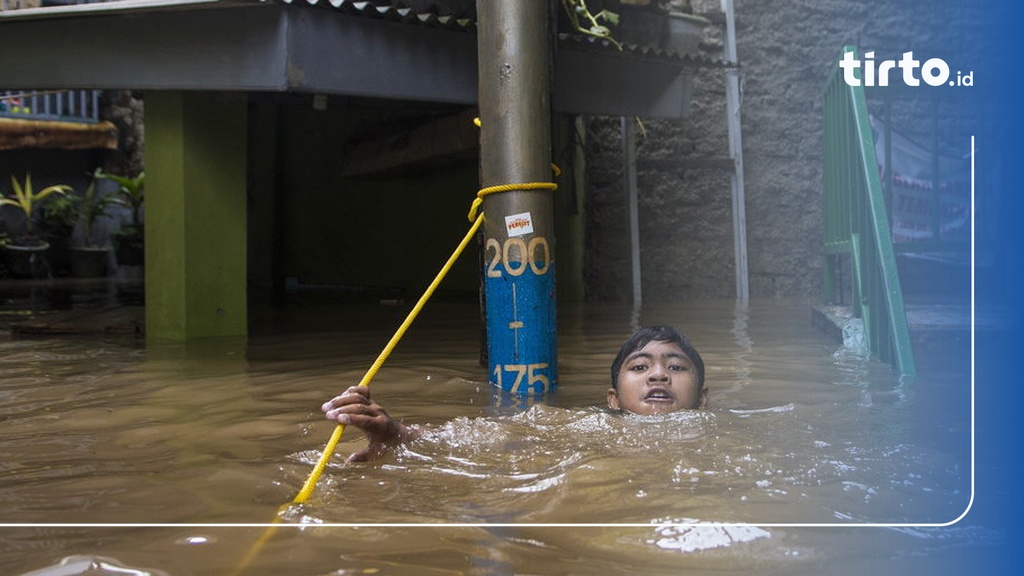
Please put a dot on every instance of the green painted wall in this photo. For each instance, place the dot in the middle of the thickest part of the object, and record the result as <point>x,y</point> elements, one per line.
<point>195,215</point>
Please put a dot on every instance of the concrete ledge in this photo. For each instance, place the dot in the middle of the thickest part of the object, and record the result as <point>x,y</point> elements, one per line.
<point>939,334</point>
<point>831,319</point>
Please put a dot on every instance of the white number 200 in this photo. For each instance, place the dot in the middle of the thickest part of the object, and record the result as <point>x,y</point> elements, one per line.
<point>515,254</point>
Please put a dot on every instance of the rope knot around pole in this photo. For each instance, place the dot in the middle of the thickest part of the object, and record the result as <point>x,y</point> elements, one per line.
<point>479,200</point>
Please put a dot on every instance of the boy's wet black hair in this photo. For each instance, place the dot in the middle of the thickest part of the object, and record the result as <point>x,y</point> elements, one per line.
<point>648,334</point>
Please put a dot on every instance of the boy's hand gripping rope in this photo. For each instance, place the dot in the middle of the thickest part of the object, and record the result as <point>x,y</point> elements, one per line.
<point>477,218</point>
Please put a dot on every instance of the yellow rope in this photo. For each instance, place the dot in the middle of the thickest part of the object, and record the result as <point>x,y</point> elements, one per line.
<point>332,443</point>
<point>477,219</point>
<point>479,200</point>
<point>307,489</point>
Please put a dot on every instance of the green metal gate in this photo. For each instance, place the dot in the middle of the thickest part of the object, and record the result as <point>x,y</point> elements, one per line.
<point>857,226</point>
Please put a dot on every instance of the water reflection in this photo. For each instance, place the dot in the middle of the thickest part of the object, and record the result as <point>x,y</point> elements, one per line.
<point>740,358</point>
<point>800,430</point>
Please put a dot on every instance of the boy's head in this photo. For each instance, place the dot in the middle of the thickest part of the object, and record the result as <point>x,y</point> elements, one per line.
<point>657,371</point>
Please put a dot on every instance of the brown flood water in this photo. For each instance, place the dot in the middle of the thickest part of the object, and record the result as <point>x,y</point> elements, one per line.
<point>101,435</point>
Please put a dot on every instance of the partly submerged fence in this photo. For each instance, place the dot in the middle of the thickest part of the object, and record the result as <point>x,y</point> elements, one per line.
<point>857,225</point>
<point>55,105</point>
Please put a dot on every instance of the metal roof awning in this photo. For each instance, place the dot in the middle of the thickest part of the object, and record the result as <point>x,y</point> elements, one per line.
<point>336,47</point>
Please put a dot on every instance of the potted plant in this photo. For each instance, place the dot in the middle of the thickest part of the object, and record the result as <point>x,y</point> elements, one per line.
<point>641,23</point>
<point>128,240</point>
<point>59,216</point>
<point>90,258</point>
<point>26,251</point>
<point>683,29</point>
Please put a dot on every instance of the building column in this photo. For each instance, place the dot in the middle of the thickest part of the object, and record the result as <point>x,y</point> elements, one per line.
<point>514,56</point>
<point>195,215</point>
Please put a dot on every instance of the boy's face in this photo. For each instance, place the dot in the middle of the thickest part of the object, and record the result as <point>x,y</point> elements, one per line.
<point>657,379</point>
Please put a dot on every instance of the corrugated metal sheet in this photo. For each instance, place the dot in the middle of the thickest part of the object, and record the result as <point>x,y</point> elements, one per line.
<point>461,15</point>
<point>590,43</point>
<point>361,48</point>
<point>455,15</point>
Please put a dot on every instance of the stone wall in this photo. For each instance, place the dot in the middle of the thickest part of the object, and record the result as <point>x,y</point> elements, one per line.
<point>125,110</point>
<point>786,49</point>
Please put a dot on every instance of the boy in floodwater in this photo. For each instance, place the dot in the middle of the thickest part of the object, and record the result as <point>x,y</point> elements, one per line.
<point>657,371</point>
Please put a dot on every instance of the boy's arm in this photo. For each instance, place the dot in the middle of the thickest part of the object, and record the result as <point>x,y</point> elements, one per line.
<point>354,407</point>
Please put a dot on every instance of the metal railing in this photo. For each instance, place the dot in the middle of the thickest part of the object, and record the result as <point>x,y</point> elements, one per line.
<point>857,226</point>
<point>57,105</point>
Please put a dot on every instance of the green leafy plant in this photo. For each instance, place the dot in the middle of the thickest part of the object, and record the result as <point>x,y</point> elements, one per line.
<point>28,200</point>
<point>131,193</point>
<point>59,214</point>
<point>91,209</point>
<point>586,22</point>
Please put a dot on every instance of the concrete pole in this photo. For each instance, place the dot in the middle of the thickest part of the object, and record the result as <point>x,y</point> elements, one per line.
<point>739,210</point>
<point>632,205</point>
<point>515,148</point>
